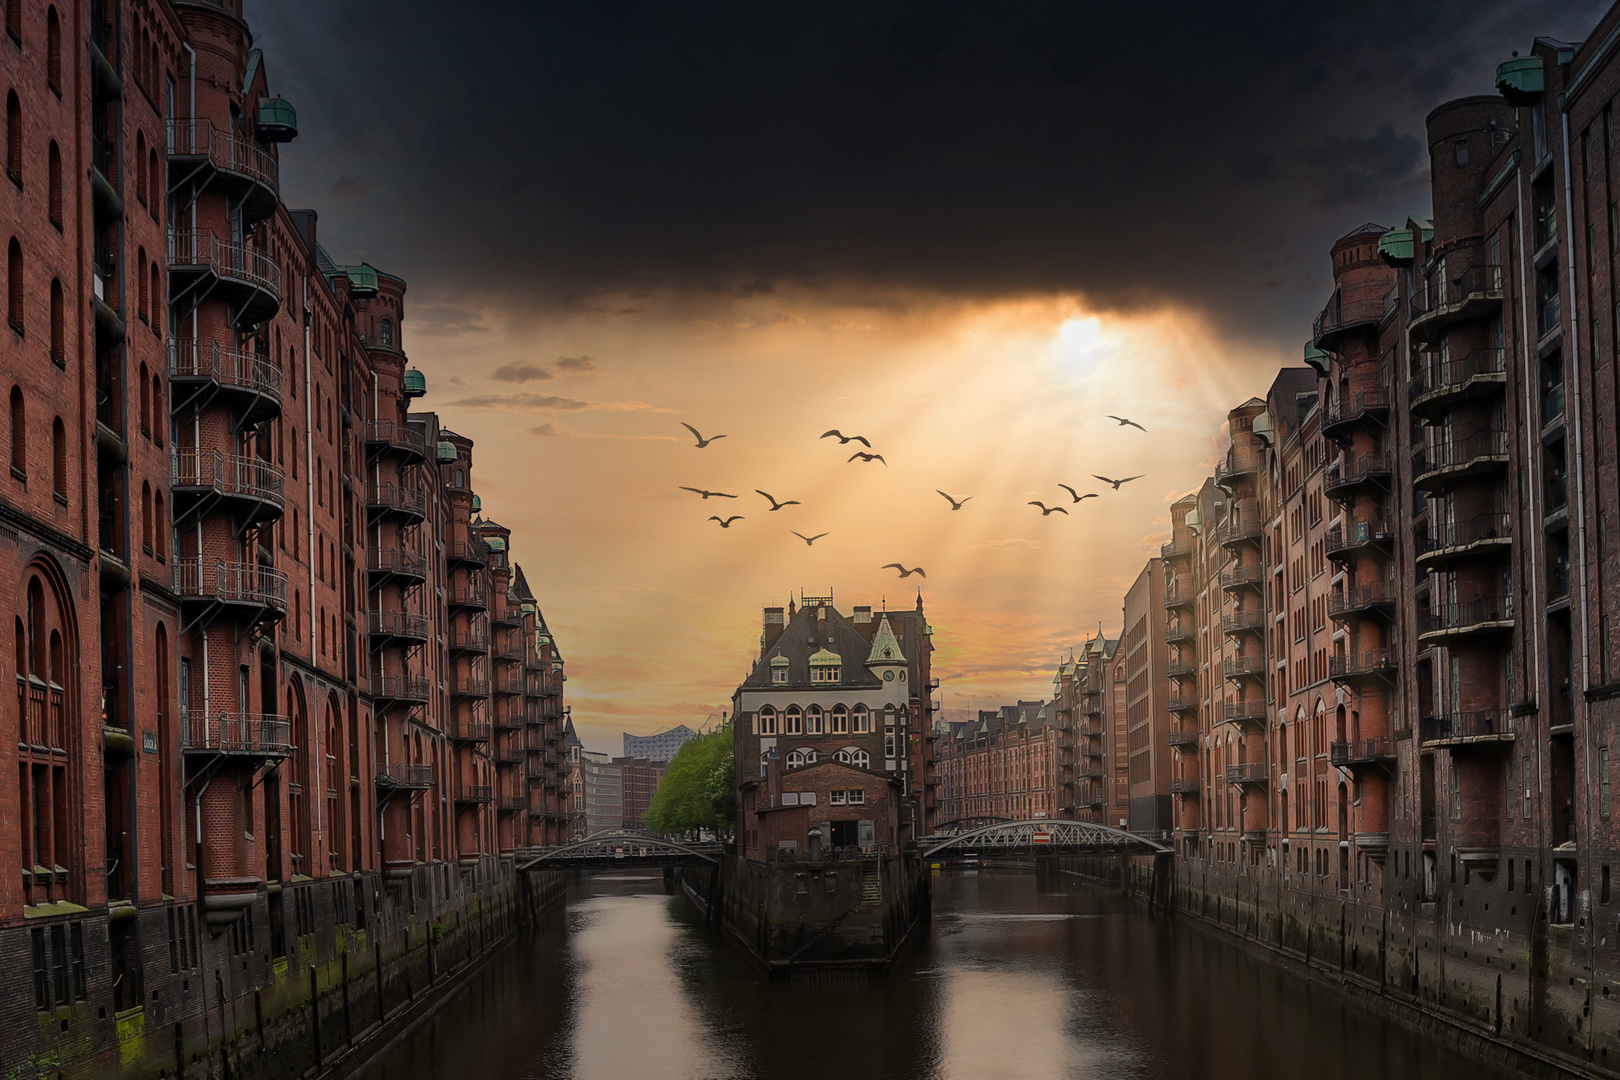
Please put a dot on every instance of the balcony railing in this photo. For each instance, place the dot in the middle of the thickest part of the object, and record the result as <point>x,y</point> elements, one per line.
<point>1480,370</point>
<point>469,687</point>
<point>397,624</point>
<point>1238,622</point>
<point>1244,712</point>
<point>399,439</point>
<point>1360,470</point>
<point>1239,463</point>
<point>408,777</point>
<point>1179,668</point>
<point>226,732</point>
<point>1179,703</point>
<point>1485,613</point>
<point>1366,662</point>
<point>1238,666</point>
<point>1246,772</point>
<point>1252,575</point>
<point>228,475</point>
<point>1449,298</point>
<point>469,639</point>
<point>248,584</point>
<point>1355,534</point>
<point>1240,527</point>
<point>1489,530</point>
<point>469,730</point>
<point>1178,631</point>
<point>1356,407</point>
<point>225,151</point>
<point>1375,594</point>
<point>400,688</point>
<point>1483,450</point>
<point>1182,739</point>
<point>1179,591</point>
<point>201,251</point>
<point>1361,751</point>
<point>1468,724</point>
<point>1176,548</point>
<point>473,793</point>
<point>229,369</point>
<point>467,596</point>
<point>1181,785</point>
<point>396,561</point>
<point>389,498</point>
<point>473,553</point>
<point>1341,316</point>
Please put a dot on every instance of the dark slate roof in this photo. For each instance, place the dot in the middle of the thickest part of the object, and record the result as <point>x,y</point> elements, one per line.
<point>796,644</point>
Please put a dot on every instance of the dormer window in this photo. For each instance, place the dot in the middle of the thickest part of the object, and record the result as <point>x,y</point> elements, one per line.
<point>779,669</point>
<point>825,667</point>
<point>824,674</point>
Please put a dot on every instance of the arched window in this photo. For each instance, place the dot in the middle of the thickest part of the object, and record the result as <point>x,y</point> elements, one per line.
<point>142,288</point>
<point>888,716</point>
<point>58,324</point>
<point>840,720</point>
<point>798,759</point>
<point>813,721</point>
<point>14,135</point>
<point>146,400</point>
<point>59,459</point>
<point>793,722</point>
<point>854,755</point>
<point>385,334</point>
<point>764,762</point>
<point>160,526</point>
<point>157,300</point>
<point>146,517</point>
<point>159,410</point>
<point>14,284</point>
<point>154,173</point>
<point>140,170</point>
<point>53,50</point>
<point>861,722</point>
<point>53,181</point>
<point>767,721</point>
<point>45,739</point>
<point>19,435</point>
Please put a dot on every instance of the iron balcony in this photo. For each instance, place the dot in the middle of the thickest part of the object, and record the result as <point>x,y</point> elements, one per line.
<point>1238,463</point>
<point>1344,541</point>
<point>474,597</point>
<point>244,276</point>
<point>1345,415</point>
<point>1183,740</point>
<point>1437,389</point>
<point>252,488</point>
<point>1249,576</point>
<point>1240,667</point>
<point>1179,592</point>
<point>392,500</point>
<point>1474,293</point>
<point>240,734</point>
<point>241,169</point>
<point>1352,752</point>
<point>386,626</point>
<point>1481,535</point>
<point>1343,477</point>
<point>1247,772</point>
<point>468,639</point>
<point>469,730</point>
<point>1437,467</point>
<point>405,777</point>
<point>1448,622</point>
<point>249,384</point>
<point>1375,596</point>
<point>1242,527</point>
<point>466,552</point>
<point>1185,785</point>
<point>400,689</point>
<point>1176,548</point>
<point>1243,622</point>
<point>514,803</point>
<point>397,440</point>
<point>1341,318</point>
<point>469,687</point>
<point>1368,663</point>
<point>1253,713</point>
<point>258,592</point>
<point>1177,632</point>
<point>1179,704</point>
<point>1180,669</point>
<point>395,562</point>
<point>1481,726</point>
<point>1091,703</point>
<point>473,793</point>
<point>508,650</point>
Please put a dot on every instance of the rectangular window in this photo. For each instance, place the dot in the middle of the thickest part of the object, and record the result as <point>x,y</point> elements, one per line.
<point>835,798</point>
<point>790,798</point>
<point>1454,790</point>
<point>1512,787</point>
<point>807,798</point>
<point>76,936</point>
<point>1603,896</point>
<point>1603,781</point>
<point>42,979</point>
<point>1525,774</point>
<point>857,798</point>
<point>59,967</point>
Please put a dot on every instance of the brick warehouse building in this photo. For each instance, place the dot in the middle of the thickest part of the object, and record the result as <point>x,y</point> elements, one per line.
<point>1002,765</point>
<point>329,705</point>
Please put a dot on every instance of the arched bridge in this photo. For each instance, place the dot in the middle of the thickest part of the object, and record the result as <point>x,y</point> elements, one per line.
<point>620,848</point>
<point>1042,836</point>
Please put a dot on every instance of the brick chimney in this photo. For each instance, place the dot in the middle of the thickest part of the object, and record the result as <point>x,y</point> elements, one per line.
<point>774,623</point>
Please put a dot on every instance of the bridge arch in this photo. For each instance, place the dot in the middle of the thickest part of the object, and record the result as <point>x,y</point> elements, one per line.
<point>618,847</point>
<point>1044,836</point>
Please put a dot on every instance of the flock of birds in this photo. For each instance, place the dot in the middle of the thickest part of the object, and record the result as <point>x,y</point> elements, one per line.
<point>867,458</point>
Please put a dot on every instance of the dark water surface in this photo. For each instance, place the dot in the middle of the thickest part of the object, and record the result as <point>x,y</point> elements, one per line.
<point>1013,980</point>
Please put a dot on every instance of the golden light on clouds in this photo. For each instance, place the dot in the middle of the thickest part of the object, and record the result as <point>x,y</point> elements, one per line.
<point>579,450</point>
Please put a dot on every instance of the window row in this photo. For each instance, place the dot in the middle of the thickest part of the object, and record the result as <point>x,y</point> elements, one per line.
<point>798,759</point>
<point>839,720</point>
<point>19,445</point>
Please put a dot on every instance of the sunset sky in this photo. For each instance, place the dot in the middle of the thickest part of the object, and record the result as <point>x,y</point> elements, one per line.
<point>967,232</point>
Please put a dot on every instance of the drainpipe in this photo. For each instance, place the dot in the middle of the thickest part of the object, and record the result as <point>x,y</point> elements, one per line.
<point>1531,426</point>
<point>309,518</point>
<point>1580,468</point>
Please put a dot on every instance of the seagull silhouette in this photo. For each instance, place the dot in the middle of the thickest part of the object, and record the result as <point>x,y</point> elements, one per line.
<point>1047,511</point>
<point>698,435</point>
<point>866,457</point>
<point>904,573</point>
<point>726,524</point>
<point>955,504</point>
<point>842,438</point>
<point>808,540</point>
<point>774,504</point>
<point>1126,423</point>
<point>1076,494</point>
<point>1116,483</point>
<point>708,494</point>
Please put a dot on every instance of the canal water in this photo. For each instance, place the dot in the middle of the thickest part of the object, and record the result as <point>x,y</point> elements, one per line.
<point>1014,979</point>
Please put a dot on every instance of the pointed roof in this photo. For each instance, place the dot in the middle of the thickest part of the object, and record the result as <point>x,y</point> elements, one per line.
<point>885,646</point>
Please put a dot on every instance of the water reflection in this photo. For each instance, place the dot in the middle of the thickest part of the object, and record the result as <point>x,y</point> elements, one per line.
<point>1014,980</point>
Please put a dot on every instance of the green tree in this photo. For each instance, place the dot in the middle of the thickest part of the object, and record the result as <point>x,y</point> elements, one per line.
<point>696,791</point>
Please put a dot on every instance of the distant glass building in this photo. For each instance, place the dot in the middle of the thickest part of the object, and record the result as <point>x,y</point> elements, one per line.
<point>659,746</point>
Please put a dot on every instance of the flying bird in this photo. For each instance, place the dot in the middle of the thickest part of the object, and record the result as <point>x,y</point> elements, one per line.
<point>808,540</point>
<point>1126,423</point>
<point>842,438</point>
<point>1076,494</point>
<point>866,457</point>
<point>955,504</point>
<point>774,504</point>
<point>708,494</point>
<point>1047,511</point>
<point>698,435</point>
<point>904,573</point>
<point>726,523</point>
<point>1116,483</point>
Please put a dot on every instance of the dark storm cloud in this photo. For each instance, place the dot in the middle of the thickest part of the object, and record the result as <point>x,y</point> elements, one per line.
<point>1197,153</point>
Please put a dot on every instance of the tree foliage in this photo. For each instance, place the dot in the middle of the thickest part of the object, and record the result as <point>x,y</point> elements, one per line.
<point>696,791</point>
